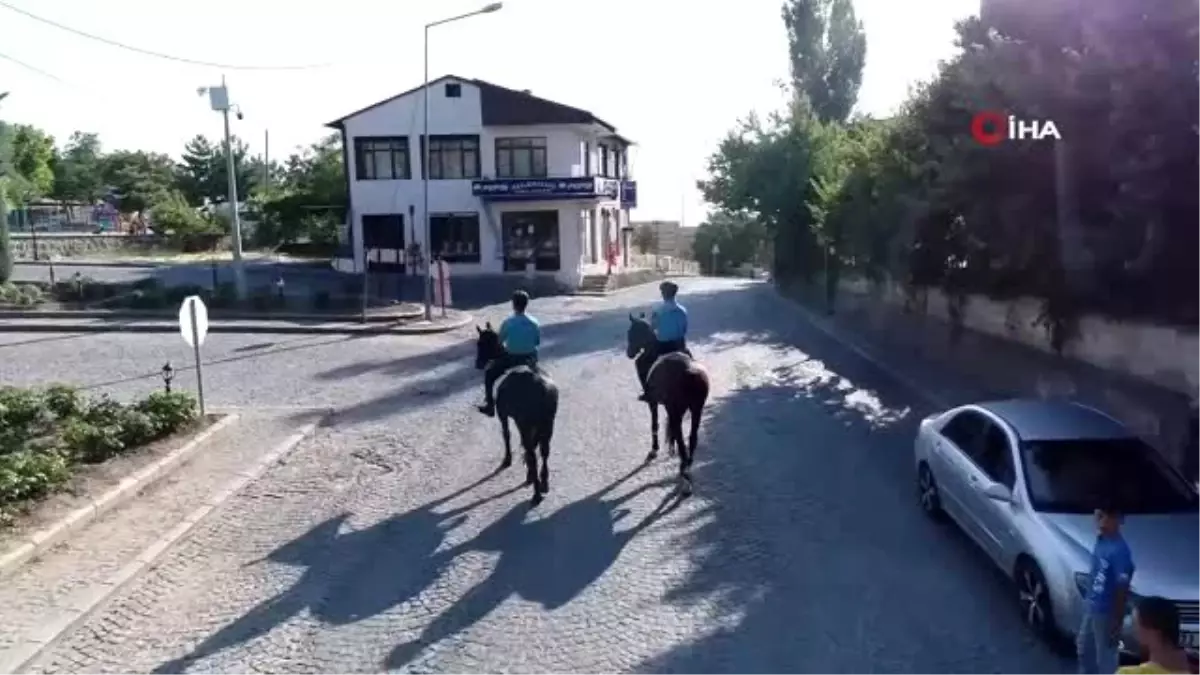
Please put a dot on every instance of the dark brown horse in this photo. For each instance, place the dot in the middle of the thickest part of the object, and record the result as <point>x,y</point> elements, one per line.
<point>680,384</point>
<point>528,396</point>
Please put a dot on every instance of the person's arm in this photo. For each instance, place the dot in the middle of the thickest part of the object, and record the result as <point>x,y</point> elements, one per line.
<point>537,332</point>
<point>503,332</point>
<point>654,318</point>
<point>683,321</point>
<point>1122,569</point>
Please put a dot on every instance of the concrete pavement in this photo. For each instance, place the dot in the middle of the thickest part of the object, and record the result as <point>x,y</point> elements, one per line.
<point>385,543</point>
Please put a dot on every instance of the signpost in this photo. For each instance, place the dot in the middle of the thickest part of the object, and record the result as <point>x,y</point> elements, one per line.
<point>193,325</point>
<point>715,250</point>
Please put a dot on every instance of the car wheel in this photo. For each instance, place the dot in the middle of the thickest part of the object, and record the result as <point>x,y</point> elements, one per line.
<point>927,490</point>
<point>1033,596</point>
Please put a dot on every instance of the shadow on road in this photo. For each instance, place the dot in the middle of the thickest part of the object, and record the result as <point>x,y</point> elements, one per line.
<point>352,576</point>
<point>548,561</point>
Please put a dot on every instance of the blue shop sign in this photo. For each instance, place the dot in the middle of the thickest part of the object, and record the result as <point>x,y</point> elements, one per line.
<point>629,194</point>
<point>546,188</point>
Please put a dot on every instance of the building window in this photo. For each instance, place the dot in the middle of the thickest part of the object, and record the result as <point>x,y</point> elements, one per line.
<point>453,90</point>
<point>381,158</point>
<point>530,236</point>
<point>453,157</point>
<point>455,236</point>
<point>604,161</point>
<point>521,157</point>
<point>587,158</point>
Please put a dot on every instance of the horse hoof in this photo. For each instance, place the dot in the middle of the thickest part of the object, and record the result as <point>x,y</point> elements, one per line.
<point>652,456</point>
<point>537,498</point>
<point>506,463</point>
<point>528,482</point>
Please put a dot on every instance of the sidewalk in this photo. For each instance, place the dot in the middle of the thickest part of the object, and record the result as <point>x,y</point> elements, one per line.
<point>921,353</point>
<point>46,596</point>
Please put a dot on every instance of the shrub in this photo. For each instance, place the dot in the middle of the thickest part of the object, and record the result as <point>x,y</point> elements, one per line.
<point>136,428</point>
<point>22,415</point>
<point>29,474</point>
<point>9,293</point>
<point>92,443</point>
<point>102,411</point>
<point>168,412</point>
<point>189,230</point>
<point>63,401</point>
<point>6,256</point>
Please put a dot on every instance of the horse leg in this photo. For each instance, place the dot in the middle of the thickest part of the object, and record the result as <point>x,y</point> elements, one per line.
<point>544,447</point>
<point>653,432</point>
<point>695,412</point>
<point>504,431</point>
<point>675,433</point>
<point>532,463</point>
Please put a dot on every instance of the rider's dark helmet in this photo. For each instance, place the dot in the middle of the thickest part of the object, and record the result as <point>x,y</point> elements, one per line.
<point>669,288</point>
<point>520,300</point>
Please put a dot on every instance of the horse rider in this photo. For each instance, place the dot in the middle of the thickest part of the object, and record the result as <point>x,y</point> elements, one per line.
<point>520,335</point>
<point>670,323</point>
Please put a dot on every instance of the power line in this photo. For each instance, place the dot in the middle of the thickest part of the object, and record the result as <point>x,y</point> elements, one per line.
<point>147,52</point>
<point>34,69</point>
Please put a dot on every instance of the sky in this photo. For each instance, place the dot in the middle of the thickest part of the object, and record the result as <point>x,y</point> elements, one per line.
<point>673,75</point>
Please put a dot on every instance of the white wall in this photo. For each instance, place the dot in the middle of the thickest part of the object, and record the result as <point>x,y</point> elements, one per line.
<point>405,117</point>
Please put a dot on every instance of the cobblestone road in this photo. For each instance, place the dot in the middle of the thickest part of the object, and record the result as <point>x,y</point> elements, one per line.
<point>384,543</point>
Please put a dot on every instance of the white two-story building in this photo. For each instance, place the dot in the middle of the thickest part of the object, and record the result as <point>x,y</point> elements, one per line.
<point>517,183</point>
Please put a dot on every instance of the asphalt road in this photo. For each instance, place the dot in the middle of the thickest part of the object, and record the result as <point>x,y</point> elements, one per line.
<point>383,543</point>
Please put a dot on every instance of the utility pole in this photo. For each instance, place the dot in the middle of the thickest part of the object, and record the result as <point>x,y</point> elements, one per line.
<point>218,98</point>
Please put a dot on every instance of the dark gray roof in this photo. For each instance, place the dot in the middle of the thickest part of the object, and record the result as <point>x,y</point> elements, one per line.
<point>502,106</point>
<point>1055,419</point>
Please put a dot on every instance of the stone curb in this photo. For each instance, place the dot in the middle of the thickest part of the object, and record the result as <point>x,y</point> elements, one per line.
<point>133,315</point>
<point>81,607</point>
<point>378,328</point>
<point>42,540</point>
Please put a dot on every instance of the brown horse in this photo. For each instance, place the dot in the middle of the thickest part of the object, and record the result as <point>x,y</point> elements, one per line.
<point>680,384</point>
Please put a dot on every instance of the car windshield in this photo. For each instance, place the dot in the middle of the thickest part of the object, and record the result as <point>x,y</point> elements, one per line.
<point>1075,476</point>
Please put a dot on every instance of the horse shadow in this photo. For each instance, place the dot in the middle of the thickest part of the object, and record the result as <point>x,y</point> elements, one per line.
<point>349,576</point>
<point>548,561</point>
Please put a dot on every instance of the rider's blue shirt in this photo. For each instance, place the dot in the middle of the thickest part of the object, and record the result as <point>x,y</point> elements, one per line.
<point>670,321</point>
<point>521,334</point>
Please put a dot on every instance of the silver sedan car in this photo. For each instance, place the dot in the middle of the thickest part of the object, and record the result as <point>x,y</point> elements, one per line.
<point>1022,479</point>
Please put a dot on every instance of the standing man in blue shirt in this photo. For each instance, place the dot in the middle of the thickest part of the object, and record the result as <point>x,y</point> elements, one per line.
<point>1098,642</point>
<point>521,335</point>
<point>670,322</point>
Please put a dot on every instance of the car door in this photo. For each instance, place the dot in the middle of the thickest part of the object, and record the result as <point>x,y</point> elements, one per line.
<point>992,462</point>
<point>951,464</point>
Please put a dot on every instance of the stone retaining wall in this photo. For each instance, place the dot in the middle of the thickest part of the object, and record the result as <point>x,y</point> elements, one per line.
<point>1146,376</point>
<point>74,245</point>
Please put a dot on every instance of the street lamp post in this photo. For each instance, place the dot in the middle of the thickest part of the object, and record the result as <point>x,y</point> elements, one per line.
<point>219,100</point>
<point>428,248</point>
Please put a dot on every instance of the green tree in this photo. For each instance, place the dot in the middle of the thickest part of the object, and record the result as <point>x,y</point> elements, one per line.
<point>77,169</point>
<point>32,157</point>
<point>827,49</point>
<point>310,200</point>
<point>137,179</point>
<point>203,171</point>
<point>739,237</point>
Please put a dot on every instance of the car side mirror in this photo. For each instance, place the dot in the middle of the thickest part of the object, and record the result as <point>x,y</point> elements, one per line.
<point>999,492</point>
